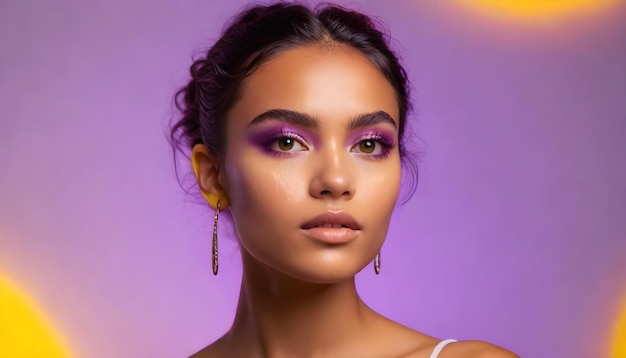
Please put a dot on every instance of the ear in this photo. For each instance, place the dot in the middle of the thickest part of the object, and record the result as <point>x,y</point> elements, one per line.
<point>209,176</point>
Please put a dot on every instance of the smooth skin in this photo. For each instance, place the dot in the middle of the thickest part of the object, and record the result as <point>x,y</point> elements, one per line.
<point>298,296</point>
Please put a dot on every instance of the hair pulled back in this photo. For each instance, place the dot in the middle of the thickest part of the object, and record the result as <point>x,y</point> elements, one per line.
<point>255,36</point>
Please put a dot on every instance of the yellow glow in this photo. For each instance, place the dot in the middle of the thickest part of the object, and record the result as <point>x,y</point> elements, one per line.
<point>24,332</point>
<point>536,9</point>
<point>619,337</point>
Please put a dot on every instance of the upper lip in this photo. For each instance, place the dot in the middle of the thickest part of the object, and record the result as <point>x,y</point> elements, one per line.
<point>331,218</point>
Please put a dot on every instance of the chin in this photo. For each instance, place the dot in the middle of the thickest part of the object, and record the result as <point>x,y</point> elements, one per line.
<point>324,272</point>
<point>328,265</point>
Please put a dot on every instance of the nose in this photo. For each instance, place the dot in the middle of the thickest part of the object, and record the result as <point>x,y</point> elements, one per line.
<point>333,177</point>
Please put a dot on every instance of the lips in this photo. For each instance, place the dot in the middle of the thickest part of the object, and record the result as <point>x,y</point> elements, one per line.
<point>332,228</point>
<point>332,220</point>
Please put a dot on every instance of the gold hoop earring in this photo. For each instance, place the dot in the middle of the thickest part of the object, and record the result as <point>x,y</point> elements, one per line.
<point>377,263</point>
<point>214,260</point>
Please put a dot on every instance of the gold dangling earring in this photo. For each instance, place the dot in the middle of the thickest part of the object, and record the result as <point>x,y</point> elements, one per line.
<point>214,251</point>
<point>377,263</point>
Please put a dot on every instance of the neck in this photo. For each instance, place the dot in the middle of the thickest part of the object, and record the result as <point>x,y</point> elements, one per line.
<point>279,315</point>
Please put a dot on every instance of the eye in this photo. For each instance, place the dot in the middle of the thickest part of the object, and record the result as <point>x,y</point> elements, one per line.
<point>369,146</point>
<point>374,146</point>
<point>287,143</point>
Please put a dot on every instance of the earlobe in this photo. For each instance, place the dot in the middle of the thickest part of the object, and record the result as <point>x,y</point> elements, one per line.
<point>208,174</point>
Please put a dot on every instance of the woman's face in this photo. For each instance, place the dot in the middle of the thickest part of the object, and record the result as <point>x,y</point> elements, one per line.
<point>312,166</point>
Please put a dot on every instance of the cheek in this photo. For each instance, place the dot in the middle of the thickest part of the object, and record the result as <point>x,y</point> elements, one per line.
<point>381,185</point>
<point>262,194</point>
<point>379,193</point>
<point>255,184</point>
<point>264,206</point>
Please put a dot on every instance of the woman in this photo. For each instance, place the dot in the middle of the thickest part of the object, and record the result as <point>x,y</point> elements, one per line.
<point>295,119</point>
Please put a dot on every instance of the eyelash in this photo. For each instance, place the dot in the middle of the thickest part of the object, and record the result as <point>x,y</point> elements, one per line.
<point>387,145</point>
<point>270,143</point>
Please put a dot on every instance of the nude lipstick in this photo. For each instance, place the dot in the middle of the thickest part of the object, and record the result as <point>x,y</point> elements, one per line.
<point>332,228</point>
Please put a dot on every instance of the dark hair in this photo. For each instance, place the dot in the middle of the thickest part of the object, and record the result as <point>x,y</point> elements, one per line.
<point>255,36</point>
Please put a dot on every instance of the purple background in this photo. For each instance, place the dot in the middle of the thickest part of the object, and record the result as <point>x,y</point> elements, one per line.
<point>516,235</point>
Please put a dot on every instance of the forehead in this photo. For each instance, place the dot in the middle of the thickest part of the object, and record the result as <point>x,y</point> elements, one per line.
<point>329,82</point>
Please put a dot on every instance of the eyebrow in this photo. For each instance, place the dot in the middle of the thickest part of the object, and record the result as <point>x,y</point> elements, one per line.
<point>308,121</point>
<point>370,119</point>
<point>287,116</point>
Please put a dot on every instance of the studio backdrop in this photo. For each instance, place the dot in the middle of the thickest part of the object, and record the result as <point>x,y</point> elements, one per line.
<point>516,234</point>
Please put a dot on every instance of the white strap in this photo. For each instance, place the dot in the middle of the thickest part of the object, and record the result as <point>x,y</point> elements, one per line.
<point>440,346</point>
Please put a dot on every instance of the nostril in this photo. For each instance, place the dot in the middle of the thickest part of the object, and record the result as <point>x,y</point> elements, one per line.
<point>330,193</point>
<point>331,187</point>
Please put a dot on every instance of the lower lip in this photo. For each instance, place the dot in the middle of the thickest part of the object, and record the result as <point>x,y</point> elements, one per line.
<point>329,235</point>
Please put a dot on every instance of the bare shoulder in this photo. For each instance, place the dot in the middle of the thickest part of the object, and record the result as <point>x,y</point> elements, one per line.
<point>463,349</point>
<point>414,344</point>
<point>475,349</point>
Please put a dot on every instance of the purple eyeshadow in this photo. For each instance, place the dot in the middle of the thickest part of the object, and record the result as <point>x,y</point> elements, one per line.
<point>382,136</point>
<point>263,138</point>
<point>385,140</point>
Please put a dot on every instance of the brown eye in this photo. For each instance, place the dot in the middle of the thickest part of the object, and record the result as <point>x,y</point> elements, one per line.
<point>367,146</point>
<point>285,144</point>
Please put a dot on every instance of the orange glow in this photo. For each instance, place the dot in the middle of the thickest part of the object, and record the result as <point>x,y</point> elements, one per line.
<point>530,10</point>
<point>619,337</point>
<point>24,331</point>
